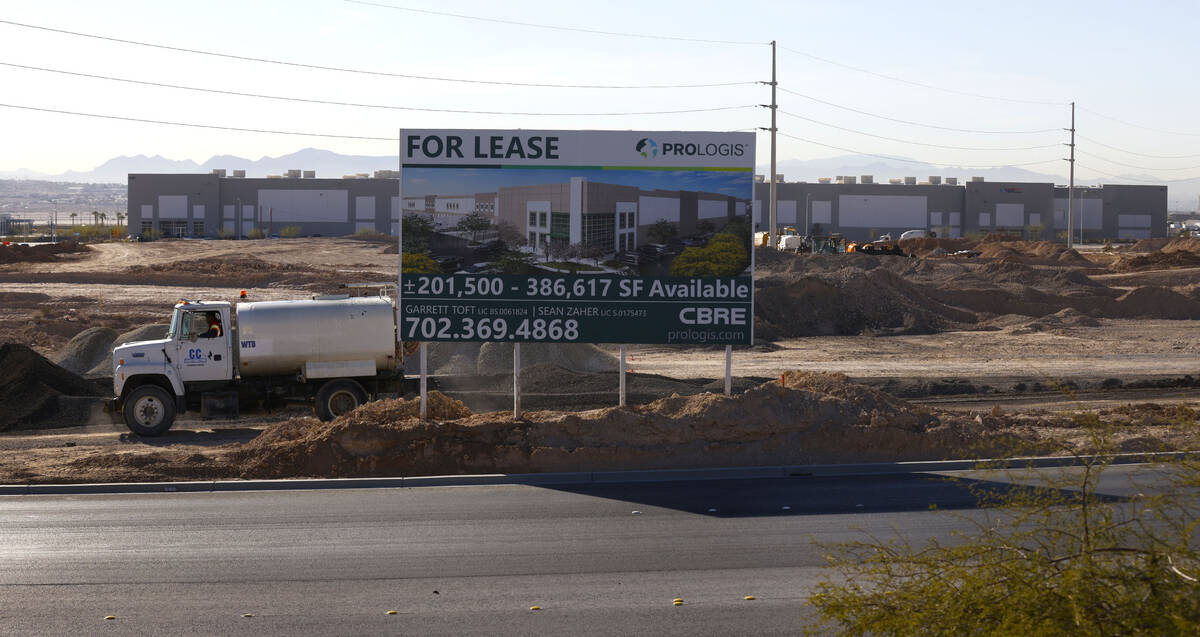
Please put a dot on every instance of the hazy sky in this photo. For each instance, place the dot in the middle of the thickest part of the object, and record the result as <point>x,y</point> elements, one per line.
<point>1130,61</point>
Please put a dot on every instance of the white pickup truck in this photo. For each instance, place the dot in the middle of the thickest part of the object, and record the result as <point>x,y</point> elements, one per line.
<point>337,352</point>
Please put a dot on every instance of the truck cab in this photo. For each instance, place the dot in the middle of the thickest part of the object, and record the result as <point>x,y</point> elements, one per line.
<point>150,377</point>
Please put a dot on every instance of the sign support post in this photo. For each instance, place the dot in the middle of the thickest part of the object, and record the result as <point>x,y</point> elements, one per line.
<point>621,391</point>
<point>424,383</point>
<point>516,381</point>
<point>728,370</point>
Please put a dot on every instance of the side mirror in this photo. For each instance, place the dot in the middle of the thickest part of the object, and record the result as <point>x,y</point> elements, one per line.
<point>193,338</point>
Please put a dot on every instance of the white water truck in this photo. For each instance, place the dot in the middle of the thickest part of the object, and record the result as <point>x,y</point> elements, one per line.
<point>337,352</point>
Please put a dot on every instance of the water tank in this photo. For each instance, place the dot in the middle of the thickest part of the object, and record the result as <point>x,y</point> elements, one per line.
<point>952,181</point>
<point>823,180</point>
<point>219,172</point>
<point>868,179</point>
<point>935,180</point>
<point>239,174</point>
<point>293,173</point>
<point>310,174</point>
<point>849,180</point>
<point>895,181</point>
<point>910,181</point>
<point>976,179</point>
<point>288,334</point>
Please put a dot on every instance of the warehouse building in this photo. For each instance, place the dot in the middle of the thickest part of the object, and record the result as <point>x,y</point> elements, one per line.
<point>612,216</point>
<point>865,210</point>
<point>213,205</point>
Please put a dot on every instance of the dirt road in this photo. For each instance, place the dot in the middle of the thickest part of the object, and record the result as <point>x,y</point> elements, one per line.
<point>1117,348</point>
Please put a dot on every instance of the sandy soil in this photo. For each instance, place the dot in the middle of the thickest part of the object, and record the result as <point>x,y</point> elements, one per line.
<point>1119,348</point>
<point>965,341</point>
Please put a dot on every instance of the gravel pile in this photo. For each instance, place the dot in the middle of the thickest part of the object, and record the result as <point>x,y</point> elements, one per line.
<point>35,392</point>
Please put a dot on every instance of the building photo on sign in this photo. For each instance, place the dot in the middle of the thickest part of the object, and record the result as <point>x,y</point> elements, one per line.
<point>601,224</point>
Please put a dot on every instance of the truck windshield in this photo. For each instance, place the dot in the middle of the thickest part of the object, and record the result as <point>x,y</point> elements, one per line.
<point>174,329</point>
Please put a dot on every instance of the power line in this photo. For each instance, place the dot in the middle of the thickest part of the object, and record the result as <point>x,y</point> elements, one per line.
<point>906,141</point>
<point>1149,128</point>
<point>431,78</point>
<point>550,26</point>
<point>1144,181</point>
<point>922,84</point>
<point>914,161</point>
<point>190,125</point>
<point>1101,158</point>
<point>910,123</point>
<point>378,106</point>
<point>1133,152</point>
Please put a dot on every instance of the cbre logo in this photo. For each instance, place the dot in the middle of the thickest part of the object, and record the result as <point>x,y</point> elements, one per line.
<point>647,147</point>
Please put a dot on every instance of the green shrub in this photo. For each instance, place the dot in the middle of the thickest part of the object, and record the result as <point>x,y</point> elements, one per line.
<point>1051,553</point>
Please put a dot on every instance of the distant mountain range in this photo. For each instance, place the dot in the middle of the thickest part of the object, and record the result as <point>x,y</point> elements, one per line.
<point>1182,195</point>
<point>327,164</point>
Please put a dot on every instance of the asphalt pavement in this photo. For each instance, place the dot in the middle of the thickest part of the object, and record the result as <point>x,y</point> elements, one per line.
<point>597,559</point>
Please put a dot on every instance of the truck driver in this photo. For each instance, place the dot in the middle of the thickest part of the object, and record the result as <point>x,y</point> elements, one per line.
<point>214,325</point>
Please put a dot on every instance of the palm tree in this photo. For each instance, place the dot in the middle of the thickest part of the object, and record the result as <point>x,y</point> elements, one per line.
<point>95,218</point>
<point>73,215</point>
<point>103,218</point>
<point>120,218</point>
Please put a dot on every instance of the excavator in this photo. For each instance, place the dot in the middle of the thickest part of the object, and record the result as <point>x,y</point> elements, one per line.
<point>882,245</point>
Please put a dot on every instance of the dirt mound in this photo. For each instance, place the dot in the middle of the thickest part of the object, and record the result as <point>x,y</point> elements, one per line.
<point>1147,245</point>
<point>1071,257</point>
<point>1020,251</point>
<point>1189,244</point>
<point>1156,261</point>
<point>1156,302</point>
<point>151,332</point>
<point>103,367</point>
<point>1014,271</point>
<point>804,417</point>
<point>1058,322</point>
<point>849,301</point>
<point>496,358</point>
<point>31,386</point>
<point>89,348</point>
<point>40,253</point>
<point>1165,244</point>
<point>930,246</point>
<point>1030,252</point>
<point>245,272</point>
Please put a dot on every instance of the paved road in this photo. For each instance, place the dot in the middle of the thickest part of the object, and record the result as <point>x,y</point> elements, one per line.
<point>449,560</point>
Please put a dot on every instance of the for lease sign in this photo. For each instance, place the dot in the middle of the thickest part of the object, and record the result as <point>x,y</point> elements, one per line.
<point>605,217</point>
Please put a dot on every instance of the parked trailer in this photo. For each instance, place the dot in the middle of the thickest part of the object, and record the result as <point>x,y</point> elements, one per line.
<point>337,352</point>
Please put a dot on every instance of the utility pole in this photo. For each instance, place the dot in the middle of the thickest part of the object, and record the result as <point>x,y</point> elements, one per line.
<point>772,220</point>
<point>1071,186</point>
<point>807,213</point>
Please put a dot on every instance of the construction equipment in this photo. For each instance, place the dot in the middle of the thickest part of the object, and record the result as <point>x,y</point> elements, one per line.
<point>828,244</point>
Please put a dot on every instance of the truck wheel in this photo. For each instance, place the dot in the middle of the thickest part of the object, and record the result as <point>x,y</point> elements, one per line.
<point>149,410</point>
<point>338,397</point>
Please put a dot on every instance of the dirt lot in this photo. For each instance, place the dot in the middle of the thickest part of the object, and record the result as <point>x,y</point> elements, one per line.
<point>943,357</point>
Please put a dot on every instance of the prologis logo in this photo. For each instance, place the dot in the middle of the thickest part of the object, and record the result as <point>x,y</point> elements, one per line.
<point>647,147</point>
